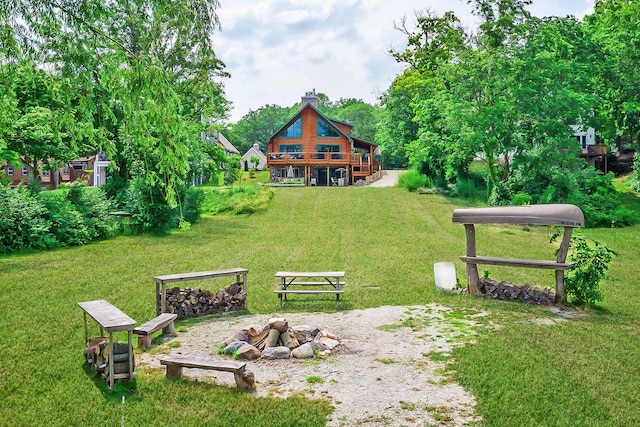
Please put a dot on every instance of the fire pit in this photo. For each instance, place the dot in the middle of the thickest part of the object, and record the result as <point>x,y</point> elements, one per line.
<point>277,340</point>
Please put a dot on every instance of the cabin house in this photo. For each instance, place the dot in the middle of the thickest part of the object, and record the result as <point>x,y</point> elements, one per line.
<point>312,149</point>
<point>92,170</point>
<point>257,152</point>
<point>594,154</point>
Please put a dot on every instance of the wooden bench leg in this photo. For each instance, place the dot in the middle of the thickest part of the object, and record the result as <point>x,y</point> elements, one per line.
<point>245,380</point>
<point>174,372</point>
<point>169,330</point>
<point>144,341</point>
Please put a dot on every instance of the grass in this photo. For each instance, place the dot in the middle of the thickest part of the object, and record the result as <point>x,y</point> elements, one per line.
<point>579,372</point>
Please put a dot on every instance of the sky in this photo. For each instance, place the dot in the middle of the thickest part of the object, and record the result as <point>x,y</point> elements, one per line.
<point>276,50</point>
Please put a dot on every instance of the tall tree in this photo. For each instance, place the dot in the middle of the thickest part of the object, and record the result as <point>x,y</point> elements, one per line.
<point>147,70</point>
<point>257,126</point>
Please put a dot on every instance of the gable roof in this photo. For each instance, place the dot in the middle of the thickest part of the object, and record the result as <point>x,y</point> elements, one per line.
<point>224,142</point>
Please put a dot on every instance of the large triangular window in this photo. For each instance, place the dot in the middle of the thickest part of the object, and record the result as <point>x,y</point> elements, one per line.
<point>325,130</point>
<point>294,130</point>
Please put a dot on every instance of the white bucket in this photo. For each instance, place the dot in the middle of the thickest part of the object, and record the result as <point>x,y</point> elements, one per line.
<point>445,274</point>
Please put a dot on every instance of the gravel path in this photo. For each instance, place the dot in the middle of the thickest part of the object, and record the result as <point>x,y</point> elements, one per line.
<point>375,377</point>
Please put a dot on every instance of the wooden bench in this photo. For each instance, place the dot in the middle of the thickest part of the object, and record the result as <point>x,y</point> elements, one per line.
<point>330,278</point>
<point>568,216</point>
<point>163,321</point>
<point>175,362</point>
<point>162,281</point>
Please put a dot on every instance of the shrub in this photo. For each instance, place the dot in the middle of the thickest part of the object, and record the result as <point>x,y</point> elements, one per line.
<point>466,188</point>
<point>151,213</point>
<point>413,180</point>
<point>590,265</point>
<point>521,199</point>
<point>22,221</point>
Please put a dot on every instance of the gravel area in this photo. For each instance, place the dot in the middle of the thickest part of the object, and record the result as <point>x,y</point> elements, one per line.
<point>375,377</point>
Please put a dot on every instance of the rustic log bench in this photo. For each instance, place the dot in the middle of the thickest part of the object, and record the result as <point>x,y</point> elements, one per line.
<point>161,282</point>
<point>568,216</point>
<point>175,363</point>
<point>329,278</point>
<point>163,321</point>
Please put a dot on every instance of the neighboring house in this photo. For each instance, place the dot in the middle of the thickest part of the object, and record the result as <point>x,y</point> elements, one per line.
<point>315,150</point>
<point>257,152</point>
<point>92,170</point>
<point>223,142</point>
<point>595,154</point>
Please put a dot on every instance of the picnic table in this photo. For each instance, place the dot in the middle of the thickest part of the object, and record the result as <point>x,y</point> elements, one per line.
<point>110,319</point>
<point>333,279</point>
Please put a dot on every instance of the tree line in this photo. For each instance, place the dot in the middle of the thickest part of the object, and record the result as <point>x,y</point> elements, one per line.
<point>496,105</point>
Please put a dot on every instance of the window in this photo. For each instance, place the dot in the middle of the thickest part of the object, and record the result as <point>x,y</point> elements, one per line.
<point>328,148</point>
<point>25,171</point>
<point>294,130</point>
<point>290,148</point>
<point>45,173</point>
<point>10,170</point>
<point>325,130</point>
<point>65,171</point>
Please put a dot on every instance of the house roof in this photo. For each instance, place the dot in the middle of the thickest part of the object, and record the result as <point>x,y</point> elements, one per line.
<point>226,144</point>
<point>332,122</point>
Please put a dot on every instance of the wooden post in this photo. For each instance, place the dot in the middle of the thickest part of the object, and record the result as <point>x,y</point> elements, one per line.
<point>561,295</point>
<point>472,269</point>
<point>158,308</point>
<point>174,372</point>
<point>110,373</point>
<point>130,350</point>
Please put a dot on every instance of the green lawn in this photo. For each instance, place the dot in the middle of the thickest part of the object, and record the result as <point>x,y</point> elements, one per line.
<point>580,372</point>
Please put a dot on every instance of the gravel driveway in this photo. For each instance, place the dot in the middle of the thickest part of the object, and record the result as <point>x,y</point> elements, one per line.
<point>389,179</point>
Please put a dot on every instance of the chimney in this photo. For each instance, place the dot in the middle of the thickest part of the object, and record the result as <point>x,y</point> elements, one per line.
<point>310,98</point>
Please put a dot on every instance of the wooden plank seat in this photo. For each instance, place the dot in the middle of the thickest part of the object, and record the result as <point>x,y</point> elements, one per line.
<point>285,292</point>
<point>318,283</point>
<point>565,215</point>
<point>163,321</point>
<point>176,362</point>
<point>517,262</point>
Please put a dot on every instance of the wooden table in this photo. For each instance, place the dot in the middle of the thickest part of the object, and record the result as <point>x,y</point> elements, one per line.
<point>110,319</point>
<point>326,278</point>
<point>161,282</point>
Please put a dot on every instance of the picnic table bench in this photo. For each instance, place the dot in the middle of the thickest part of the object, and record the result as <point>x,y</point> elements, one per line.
<point>161,282</point>
<point>175,363</point>
<point>326,278</point>
<point>568,216</point>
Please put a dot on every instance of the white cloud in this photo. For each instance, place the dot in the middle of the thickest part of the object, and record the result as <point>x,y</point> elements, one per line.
<point>276,50</point>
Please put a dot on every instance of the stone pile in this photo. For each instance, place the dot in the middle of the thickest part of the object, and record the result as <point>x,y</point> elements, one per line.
<point>277,340</point>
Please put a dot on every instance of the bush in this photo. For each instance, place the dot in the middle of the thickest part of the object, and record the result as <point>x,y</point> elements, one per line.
<point>78,215</point>
<point>413,180</point>
<point>151,213</point>
<point>22,221</point>
<point>590,265</point>
<point>521,199</point>
<point>466,188</point>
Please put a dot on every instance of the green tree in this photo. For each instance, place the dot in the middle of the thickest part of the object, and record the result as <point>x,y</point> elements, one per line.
<point>614,26</point>
<point>257,126</point>
<point>148,75</point>
<point>45,130</point>
<point>255,160</point>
